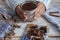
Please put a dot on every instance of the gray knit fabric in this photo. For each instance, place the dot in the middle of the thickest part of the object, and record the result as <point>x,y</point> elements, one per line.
<point>13,3</point>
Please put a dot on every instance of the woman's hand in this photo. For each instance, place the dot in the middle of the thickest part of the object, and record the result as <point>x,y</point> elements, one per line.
<point>21,13</point>
<point>40,10</point>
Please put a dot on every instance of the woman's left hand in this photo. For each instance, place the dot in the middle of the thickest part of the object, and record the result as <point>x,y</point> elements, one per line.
<point>40,10</point>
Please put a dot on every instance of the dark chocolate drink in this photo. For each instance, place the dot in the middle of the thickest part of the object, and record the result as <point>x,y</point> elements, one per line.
<point>29,6</point>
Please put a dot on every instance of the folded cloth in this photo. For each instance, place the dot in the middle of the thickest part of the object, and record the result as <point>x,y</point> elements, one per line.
<point>54,20</point>
<point>5,28</point>
<point>5,12</point>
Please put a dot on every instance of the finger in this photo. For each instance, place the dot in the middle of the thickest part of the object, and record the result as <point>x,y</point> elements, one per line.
<point>20,10</point>
<point>25,16</point>
<point>36,15</point>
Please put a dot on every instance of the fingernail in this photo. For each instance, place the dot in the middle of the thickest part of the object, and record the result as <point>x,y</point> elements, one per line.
<point>24,13</point>
<point>35,18</point>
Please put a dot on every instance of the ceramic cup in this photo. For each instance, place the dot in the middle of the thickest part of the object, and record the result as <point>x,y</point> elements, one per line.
<point>29,7</point>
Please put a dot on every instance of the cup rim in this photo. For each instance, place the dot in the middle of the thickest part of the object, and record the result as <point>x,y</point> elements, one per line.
<point>28,2</point>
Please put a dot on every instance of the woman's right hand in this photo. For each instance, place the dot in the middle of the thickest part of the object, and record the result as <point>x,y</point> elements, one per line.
<point>21,13</point>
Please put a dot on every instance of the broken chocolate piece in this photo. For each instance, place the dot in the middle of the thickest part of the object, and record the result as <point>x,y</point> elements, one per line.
<point>10,34</point>
<point>32,26</point>
<point>16,26</point>
<point>1,17</point>
<point>54,14</point>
